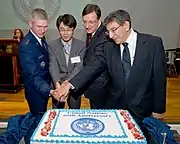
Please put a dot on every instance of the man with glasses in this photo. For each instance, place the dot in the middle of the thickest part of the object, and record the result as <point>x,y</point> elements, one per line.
<point>136,65</point>
<point>66,56</point>
<point>91,17</point>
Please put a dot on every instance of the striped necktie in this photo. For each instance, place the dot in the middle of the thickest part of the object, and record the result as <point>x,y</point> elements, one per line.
<point>67,53</point>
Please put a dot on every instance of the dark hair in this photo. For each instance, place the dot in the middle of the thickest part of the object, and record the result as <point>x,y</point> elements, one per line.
<point>67,20</point>
<point>22,34</point>
<point>120,16</point>
<point>89,8</point>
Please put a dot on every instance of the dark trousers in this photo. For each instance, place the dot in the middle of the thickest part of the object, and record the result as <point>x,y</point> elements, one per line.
<point>72,103</point>
<point>97,104</point>
<point>92,106</point>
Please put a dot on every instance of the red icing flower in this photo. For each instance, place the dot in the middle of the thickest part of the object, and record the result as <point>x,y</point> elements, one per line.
<point>136,135</point>
<point>44,132</point>
<point>47,127</point>
<point>131,125</point>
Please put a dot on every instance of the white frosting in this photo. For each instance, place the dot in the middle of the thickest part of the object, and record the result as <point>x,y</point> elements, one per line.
<point>113,121</point>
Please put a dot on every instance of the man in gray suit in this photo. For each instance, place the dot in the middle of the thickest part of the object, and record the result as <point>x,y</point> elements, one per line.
<point>66,56</point>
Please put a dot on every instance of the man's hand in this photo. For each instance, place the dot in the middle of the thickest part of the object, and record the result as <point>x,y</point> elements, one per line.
<point>63,91</point>
<point>54,93</point>
<point>158,116</point>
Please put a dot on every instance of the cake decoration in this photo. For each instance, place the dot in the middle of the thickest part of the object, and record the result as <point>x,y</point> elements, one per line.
<point>47,127</point>
<point>60,126</point>
<point>87,126</point>
<point>131,125</point>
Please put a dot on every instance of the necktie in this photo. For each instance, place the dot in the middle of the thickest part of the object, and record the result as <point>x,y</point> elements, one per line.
<point>43,43</point>
<point>126,60</point>
<point>89,39</point>
<point>67,53</point>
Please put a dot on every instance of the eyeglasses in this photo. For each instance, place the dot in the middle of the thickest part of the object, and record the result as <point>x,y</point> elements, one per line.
<point>89,22</point>
<point>113,30</point>
<point>65,30</point>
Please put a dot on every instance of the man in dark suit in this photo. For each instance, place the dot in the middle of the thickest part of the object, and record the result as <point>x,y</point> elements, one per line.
<point>66,56</point>
<point>34,61</point>
<point>137,70</point>
<point>91,16</point>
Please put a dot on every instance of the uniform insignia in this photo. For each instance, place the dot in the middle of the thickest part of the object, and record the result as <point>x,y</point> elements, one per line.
<point>41,56</point>
<point>27,42</point>
<point>43,64</point>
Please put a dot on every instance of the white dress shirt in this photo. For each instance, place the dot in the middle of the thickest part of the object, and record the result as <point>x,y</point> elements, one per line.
<point>132,39</point>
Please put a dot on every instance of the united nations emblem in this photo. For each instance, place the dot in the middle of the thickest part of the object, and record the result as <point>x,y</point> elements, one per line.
<point>23,8</point>
<point>43,64</point>
<point>87,126</point>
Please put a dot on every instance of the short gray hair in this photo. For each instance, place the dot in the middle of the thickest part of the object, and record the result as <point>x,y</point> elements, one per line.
<point>39,14</point>
<point>120,16</point>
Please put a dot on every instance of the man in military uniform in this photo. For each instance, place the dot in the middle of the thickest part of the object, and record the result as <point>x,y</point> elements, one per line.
<point>34,61</point>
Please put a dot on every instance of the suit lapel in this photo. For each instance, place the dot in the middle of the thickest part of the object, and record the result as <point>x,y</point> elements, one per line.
<point>60,54</point>
<point>139,52</point>
<point>72,54</point>
<point>96,35</point>
<point>39,46</point>
<point>116,57</point>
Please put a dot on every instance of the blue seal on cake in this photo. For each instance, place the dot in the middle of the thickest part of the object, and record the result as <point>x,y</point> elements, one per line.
<point>87,126</point>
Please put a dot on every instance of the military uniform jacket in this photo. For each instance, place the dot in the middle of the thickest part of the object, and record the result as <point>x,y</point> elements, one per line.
<point>35,65</point>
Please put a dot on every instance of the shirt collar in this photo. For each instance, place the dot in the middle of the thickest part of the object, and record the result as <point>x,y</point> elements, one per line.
<point>38,39</point>
<point>96,29</point>
<point>64,43</point>
<point>131,37</point>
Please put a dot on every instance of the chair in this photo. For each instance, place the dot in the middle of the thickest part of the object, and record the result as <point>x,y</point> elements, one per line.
<point>171,68</point>
<point>177,60</point>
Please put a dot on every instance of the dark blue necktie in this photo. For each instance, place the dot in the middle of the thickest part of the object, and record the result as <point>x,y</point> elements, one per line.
<point>126,60</point>
<point>44,43</point>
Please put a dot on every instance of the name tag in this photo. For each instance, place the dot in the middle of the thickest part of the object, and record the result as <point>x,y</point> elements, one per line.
<point>75,59</point>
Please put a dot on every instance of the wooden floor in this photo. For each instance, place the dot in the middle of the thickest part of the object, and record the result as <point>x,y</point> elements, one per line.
<point>12,104</point>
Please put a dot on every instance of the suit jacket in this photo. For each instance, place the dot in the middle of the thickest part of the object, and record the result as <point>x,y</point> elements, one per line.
<point>145,91</point>
<point>35,66</point>
<point>97,91</point>
<point>58,68</point>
